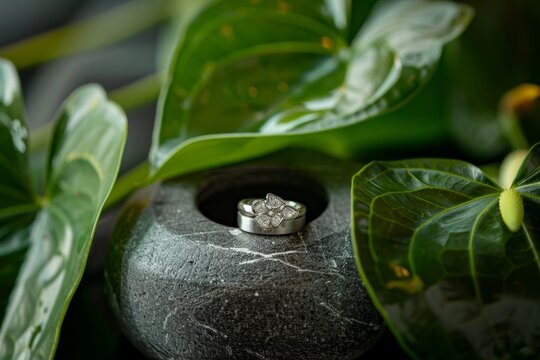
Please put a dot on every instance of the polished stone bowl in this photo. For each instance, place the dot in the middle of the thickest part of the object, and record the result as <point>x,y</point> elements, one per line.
<point>185,283</point>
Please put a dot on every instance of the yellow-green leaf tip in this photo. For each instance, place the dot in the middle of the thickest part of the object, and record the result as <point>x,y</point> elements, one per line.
<point>511,207</point>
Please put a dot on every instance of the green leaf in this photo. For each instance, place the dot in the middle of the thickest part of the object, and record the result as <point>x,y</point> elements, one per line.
<point>256,76</point>
<point>12,252</point>
<point>18,203</point>
<point>449,276</point>
<point>82,165</point>
<point>17,195</point>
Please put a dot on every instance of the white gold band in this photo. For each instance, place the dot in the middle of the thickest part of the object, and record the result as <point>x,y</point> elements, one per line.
<point>273,216</point>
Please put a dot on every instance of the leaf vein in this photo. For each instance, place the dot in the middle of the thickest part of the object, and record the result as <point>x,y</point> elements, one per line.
<point>533,247</point>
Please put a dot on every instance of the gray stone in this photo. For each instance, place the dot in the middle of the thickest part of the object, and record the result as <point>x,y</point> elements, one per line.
<point>187,287</point>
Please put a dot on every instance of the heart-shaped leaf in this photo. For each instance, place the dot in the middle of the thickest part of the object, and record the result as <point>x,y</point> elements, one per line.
<point>18,199</point>
<point>17,195</point>
<point>83,163</point>
<point>250,77</point>
<point>451,259</point>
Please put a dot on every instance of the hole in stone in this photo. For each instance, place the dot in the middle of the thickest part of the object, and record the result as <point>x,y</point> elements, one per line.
<point>219,195</point>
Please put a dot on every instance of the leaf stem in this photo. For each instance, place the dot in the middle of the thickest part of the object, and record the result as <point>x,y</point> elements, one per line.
<point>98,31</point>
<point>127,183</point>
<point>138,93</point>
<point>511,126</point>
<point>129,97</point>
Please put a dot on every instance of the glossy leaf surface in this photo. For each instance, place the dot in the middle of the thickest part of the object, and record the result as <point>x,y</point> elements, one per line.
<point>83,163</point>
<point>264,75</point>
<point>451,279</point>
<point>18,200</point>
<point>17,196</point>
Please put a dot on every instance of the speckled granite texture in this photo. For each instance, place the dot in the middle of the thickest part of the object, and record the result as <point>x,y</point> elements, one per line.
<point>186,287</point>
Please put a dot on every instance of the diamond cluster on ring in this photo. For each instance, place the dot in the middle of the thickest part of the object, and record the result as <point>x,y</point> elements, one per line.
<point>272,211</point>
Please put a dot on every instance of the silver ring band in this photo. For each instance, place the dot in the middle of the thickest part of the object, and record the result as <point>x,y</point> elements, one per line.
<point>245,206</point>
<point>271,216</point>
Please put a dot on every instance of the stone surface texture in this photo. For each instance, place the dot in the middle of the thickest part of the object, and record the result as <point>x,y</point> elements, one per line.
<point>186,287</point>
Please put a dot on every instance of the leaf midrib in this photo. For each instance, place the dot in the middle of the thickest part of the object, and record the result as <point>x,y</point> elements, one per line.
<point>254,51</point>
<point>531,243</point>
<point>534,250</point>
<point>522,182</point>
<point>431,219</point>
<point>372,212</point>
<point>374,255</point>
<point>472,262</point>
<point>294,19</point>
<point>314,26</point>
<point>536,184</point>
<point>273,15</point>
<point>388,169</point>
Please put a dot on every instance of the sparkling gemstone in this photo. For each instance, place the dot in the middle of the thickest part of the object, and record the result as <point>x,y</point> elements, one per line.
<point>264,221</point>
<point>259,207</point>
<point>274,202</point>
<point>276,220</point>
<point>289,213</point>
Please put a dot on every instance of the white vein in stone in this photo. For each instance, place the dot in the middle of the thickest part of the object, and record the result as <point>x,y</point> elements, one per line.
<point>171,313</point>
<point>336,313</point>
<point>256,354</point>
<point>272,257</point>
<point>215,331</point>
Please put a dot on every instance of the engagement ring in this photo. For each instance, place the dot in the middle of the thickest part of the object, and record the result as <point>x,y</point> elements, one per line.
<point>271,216</point>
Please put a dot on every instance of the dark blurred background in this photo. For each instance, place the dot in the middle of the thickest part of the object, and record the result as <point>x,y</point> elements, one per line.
<point>499,51</point>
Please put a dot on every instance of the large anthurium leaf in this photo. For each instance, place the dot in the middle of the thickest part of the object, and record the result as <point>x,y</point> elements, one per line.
<point>452,275</point>
<point>82,166</point>
<point>254,76</point>
<point>18,200</point>
<point>17,195</point>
